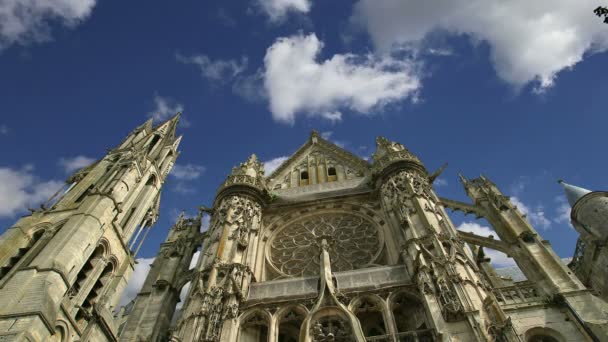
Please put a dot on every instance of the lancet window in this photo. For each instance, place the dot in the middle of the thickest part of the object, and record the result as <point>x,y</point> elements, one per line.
<point>410,319</point>
<point>254,328</point>
<point>289,325</point>
<point>370,315</point>
<point>90,283</point>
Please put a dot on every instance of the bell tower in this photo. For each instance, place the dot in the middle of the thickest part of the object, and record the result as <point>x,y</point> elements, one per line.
<point>64,267</point>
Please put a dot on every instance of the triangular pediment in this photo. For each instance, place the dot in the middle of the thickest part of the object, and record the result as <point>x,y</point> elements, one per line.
<point>317,162</point>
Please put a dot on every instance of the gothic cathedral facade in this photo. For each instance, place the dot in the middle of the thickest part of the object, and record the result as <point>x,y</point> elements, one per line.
<point>327,248</point>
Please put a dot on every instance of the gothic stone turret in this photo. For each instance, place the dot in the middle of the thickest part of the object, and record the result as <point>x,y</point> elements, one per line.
<point>589,216</point>
<point>63,267</point>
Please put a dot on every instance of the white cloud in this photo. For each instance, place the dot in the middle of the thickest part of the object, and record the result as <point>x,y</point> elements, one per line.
<point>4,130</point>
<point>327,135</point>
<point>75,163</point>
<point>563,210</point>
<point>165,108</point>
<point>187,172</point>
<point>272,164</point>
<point>277,10</point>
<point>530,41</point>
<point>439,182</point>
<point>141,269</point>
<point>296,82</point>
<point>20,189</point>
<point>536,216</point>
<point>219,70</point>
<point>476,228</point>
<point>499,259</point>
<point>25,21</point>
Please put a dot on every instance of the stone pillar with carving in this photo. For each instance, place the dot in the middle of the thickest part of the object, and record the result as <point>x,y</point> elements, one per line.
<point>447,277</point>
<point>225,269</point>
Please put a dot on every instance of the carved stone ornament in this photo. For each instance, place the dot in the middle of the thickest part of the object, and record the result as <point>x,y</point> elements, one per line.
<point>354,241</point>
<point>388,152</point>
<point>331,329</point>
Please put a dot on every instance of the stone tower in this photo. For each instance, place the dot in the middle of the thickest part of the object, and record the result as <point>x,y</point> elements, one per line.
<point>589,216</point>
<point>150,317</point>
<point>64,266</point>
<point>331,247</point>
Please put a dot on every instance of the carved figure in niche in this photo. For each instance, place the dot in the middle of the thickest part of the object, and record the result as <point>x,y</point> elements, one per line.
<point>331,329</point>
<point>450,303</point>
<point>425,284</point>
<point>353,243</point>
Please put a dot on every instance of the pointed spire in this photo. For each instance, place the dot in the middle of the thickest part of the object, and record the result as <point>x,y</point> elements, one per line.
<point>573,193</point>
<point>169,125</point>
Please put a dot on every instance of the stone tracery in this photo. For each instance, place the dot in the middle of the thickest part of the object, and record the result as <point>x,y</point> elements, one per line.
<point>354,242</point>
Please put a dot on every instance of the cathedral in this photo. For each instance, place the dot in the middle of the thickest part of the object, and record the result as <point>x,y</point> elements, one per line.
<point>329,247</point>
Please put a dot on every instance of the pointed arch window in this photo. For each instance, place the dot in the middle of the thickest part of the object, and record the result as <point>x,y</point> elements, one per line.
<point>369,313</point>
<point>91,283</point>
<point>254,328</point>
<point>410,318</point>
<point>290,324</point>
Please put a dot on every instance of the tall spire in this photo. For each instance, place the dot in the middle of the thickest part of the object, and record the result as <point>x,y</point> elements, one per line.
<point>573,193</point>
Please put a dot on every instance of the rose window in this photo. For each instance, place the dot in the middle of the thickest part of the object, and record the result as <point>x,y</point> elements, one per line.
<point>354,242</point>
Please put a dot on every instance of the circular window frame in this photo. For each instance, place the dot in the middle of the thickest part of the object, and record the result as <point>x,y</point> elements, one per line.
<point>372,262</point>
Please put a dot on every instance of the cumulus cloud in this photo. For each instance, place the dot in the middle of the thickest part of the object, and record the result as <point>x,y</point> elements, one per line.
<point>498,259</point>
<point>187,172</point>
<point>219,70</point>
<point>165,108</point>
<point>273,164</point>
<point>25,21</point>
<point>536,216</point>
<point>20,189</point>
<point>75,163</point>
<point>277,10</point>
<point>297,82</point>
<point>529,41</point>
<point>141,269</point>
<point>4,130</point>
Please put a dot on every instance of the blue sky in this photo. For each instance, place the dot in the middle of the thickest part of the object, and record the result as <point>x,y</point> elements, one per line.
<point>515,93</point>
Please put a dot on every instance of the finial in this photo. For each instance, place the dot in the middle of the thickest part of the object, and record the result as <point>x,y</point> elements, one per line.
<point>314,136</point>
<point>438,172</point>
<point>462,178</point>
